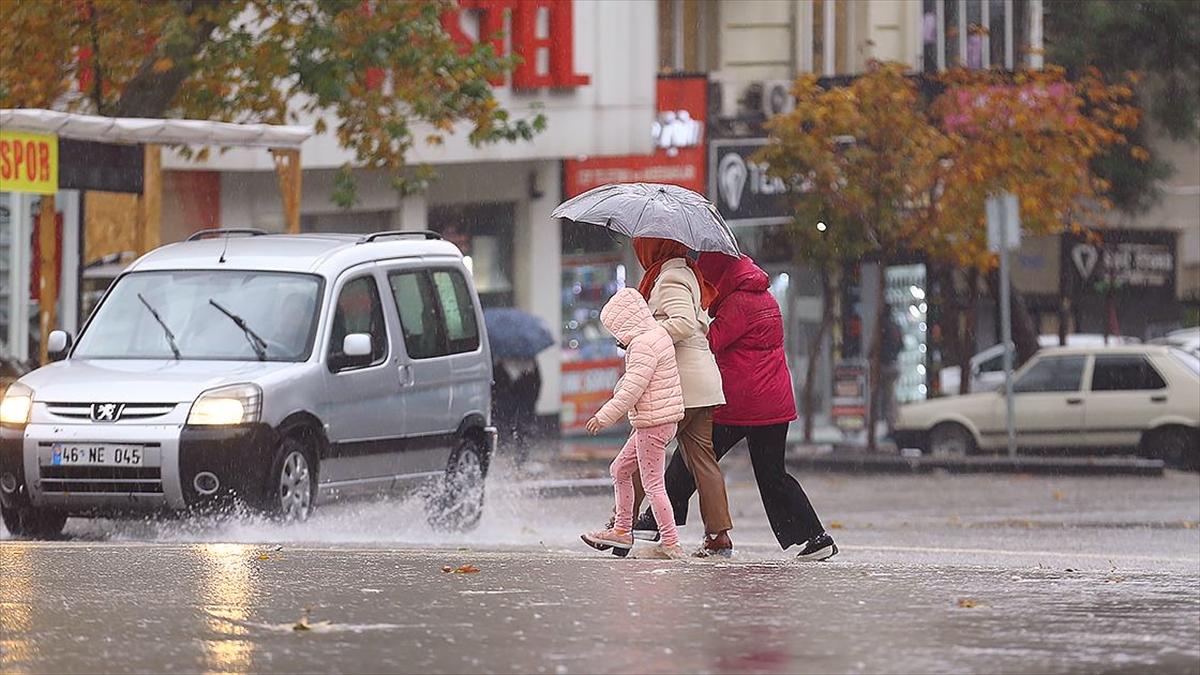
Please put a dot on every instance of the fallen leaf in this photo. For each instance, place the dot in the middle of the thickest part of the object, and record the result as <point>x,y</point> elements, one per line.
<point>967,603</point>
<point>302,623</point>
<point>1058,495</point>
<point>263,556</point>
<point>1114,580</point>
<point>461,569</point>
<point>836,525</point>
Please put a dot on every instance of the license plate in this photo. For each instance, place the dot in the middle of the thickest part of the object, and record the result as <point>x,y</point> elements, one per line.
<point>88,454</point>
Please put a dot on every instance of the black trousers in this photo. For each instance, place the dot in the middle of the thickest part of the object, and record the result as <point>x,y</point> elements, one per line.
<point>790,513</point>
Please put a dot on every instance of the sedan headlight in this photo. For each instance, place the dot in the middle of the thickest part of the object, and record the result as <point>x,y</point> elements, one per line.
<point>238,404</point>
<point>14,409</point>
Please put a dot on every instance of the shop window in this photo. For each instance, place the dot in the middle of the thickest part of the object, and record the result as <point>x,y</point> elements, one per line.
<point>484,234</point>
<point>688,35</point>
<point>975,34</point>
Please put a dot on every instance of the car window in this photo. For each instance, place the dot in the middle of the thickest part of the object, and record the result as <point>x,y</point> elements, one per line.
<point>1053,373</point>
<point>359,310</point>
<point>1126,372</point>
<point>416,303</point>
<point>458,311</point>
<point>992,365</point>
<point>279,308</point>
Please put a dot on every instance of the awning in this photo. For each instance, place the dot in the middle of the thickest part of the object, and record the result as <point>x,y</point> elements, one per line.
<point>142,130</point>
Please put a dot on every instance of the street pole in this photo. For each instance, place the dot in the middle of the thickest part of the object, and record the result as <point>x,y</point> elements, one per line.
<point>1006,334</point>
<point>1004,232</point>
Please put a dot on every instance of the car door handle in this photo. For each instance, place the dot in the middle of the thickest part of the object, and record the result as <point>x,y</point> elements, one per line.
<point>404,370</point>
<point>1161,398</point>
<point>1074,401</point>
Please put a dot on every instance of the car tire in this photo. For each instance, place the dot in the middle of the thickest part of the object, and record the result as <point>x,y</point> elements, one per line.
<point>950,439</point>
<point>30,523</point>
<point>291,489</point>
<point>1177,447</point>
<point>457,502</point>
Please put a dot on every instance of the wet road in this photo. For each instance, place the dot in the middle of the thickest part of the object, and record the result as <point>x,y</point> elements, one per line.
<point>937,574</point>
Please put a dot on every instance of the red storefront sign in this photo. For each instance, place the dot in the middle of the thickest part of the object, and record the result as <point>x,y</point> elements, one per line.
<point>586,386</point>
<point>556,49</point>
<point>679,135</point>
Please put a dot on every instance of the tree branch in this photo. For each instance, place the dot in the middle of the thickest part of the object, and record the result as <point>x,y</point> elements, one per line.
<point>150,93</point>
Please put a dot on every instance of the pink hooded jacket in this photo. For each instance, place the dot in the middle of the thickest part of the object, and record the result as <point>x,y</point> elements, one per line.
<point>649,392</point>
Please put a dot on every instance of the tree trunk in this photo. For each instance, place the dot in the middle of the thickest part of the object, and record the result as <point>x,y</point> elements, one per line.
<point>968,332</point>
<point>151,90</point>
<point>1024,332</point>
<point>814,352</point>
<point>875,353</point>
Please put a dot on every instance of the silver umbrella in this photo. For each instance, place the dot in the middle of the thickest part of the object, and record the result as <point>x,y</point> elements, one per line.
<point>653,210</point>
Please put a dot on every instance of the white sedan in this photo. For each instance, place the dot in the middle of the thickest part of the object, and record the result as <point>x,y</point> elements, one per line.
<point>987,367</point>
<point>1141,397</point>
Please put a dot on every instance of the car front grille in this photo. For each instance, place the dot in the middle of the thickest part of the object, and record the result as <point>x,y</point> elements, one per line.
<point>130,411</point>
<point>118,479</point>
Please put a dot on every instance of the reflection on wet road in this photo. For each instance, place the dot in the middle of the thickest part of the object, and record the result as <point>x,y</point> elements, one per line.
<point>936,575</point>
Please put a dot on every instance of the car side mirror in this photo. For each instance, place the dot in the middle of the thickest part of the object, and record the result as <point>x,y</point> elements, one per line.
<point>58,343</point>
<point>356,352</point>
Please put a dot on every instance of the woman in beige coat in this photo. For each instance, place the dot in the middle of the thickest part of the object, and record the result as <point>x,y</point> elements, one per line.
<point>678,297</point>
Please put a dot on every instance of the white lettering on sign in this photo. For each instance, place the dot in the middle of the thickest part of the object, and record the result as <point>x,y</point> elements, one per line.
<point>676,129</point>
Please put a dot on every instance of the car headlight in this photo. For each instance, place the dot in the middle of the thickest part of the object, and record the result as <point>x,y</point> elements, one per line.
<point>14,409</point>
<point>238,404</point>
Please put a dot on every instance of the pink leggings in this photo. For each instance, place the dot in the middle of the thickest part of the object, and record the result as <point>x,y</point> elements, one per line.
<point>645,451</point>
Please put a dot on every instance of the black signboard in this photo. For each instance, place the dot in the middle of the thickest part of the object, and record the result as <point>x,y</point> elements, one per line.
<point>1138,261</point>
<point>741,189</point>
<point>107,167</point>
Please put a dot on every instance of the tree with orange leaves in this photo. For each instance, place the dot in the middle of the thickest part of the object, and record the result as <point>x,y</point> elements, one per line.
<point>389,72</point>
<point>896,175</point>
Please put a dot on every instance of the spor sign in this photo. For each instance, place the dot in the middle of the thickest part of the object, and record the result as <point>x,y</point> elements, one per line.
<point>28,162</point>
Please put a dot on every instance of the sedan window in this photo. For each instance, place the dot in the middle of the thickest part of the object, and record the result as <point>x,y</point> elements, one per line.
<point>1125,373</point>
<point>1052,373</point>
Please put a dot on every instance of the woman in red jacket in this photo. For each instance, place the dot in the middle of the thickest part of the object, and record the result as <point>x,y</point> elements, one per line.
<point>746,337</point>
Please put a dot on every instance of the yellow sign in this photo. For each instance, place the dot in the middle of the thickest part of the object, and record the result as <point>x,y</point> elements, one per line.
<point>28,162</point>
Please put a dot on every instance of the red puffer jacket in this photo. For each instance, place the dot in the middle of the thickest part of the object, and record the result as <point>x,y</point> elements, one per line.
<point>746,336</point>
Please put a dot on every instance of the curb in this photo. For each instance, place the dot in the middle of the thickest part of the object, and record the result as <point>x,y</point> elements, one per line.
<point>858,462</point>
<point>566,487</point>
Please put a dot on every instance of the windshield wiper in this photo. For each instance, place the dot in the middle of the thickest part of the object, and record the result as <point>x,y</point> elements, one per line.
<point>166,330</point>
<point>256,342</point>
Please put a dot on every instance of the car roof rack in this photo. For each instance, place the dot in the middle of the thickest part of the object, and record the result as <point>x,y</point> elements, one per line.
<point>212,233</point>
<point>424,234</point>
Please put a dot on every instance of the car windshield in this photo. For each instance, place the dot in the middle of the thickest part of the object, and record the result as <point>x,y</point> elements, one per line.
<point>233,315</point>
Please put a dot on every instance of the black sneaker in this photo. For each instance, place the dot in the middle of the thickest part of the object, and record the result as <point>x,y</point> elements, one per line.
<point>820,547</point>
<point>646,528</point>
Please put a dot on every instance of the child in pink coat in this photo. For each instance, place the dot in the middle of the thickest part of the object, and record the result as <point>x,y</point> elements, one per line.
<point>650,394</point>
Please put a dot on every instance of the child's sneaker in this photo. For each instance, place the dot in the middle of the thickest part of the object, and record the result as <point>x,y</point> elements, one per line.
<point>820,547</point>
<point>646,528</point>
<point>602,540</point>
<point>715,546</point>
<point>663,552</point>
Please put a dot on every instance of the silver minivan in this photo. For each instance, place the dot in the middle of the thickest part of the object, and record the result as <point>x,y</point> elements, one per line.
<point>273,370</point>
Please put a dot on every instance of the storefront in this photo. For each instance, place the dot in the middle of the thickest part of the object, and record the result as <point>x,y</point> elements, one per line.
<point>596,263</point>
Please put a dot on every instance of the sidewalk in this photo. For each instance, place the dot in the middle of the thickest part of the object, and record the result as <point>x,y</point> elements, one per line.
<point>579,465</point>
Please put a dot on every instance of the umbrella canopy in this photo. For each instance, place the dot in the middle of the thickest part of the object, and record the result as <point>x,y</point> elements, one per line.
<point>515,334</point>
<point>653,210</point>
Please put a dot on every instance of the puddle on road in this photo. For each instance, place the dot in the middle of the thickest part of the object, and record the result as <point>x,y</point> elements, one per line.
<point>512,517</point>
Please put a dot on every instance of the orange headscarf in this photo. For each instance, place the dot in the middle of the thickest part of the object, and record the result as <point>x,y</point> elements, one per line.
<point>653,252</point>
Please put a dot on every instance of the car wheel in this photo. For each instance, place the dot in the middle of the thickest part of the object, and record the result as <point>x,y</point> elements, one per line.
<point>293,481</point>
<point>457,504</point>
<point>951,440</point>
<point>1177,447</point>
<point>31,523</point>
